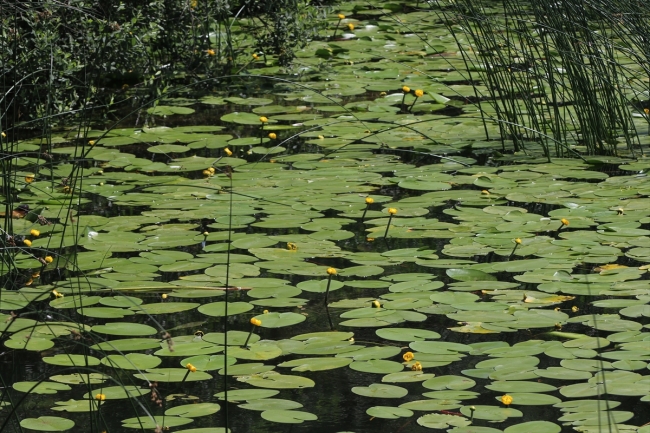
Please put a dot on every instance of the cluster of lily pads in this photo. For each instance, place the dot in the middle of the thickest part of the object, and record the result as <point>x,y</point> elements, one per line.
<point>510,296</point>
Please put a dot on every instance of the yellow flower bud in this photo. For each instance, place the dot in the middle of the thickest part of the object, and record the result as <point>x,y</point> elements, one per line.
<point>350,26</point>
<point>263,119</point>
<point>272,136</point>
<point>48,259</point>
<point>190,367</point>
<point>91,142</point>
<point>34,233</point>
<point>164,295</point>
<point>392,210</point>
<point>376,304</point>
<point>564,221</point>
<point>27,242</point>
<point>256,322</point>
<point>228,151</point>
<point>100,397</point>
<point>369,200</point>
<point>406,89</point>
<point>419,93</point>
<point>29,179</point>
<point>506,399</point>
<point>518,241</point>
<point>341,16</point>
<point>331,271</point>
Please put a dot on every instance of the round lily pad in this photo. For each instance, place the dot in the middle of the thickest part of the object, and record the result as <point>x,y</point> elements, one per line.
<point>288,416</point>
<point>380,390</point>
<point>47,423</point>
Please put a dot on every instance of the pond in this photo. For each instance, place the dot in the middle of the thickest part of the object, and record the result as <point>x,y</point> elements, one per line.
<point>345,251</point>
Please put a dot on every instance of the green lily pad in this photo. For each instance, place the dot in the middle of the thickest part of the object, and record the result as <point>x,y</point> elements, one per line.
<point>47,423</point>
<point>316,364</point>
<point>172,375</point>
<point>153,422</point>
<point>389,412</point>
<point>40,387</point>
<point>193,410</point>
<point>380,390</point>
<point>288,416</point>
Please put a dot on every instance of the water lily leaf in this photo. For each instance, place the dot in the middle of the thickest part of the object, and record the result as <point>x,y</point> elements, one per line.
<point>532,399</point>
<point>288,416</point>
<point>47,423</point>
<point>165,307</point>
<point>77,405</point>
<point>40,387</point>
<point>71,360</point>
<point>120,301</point>
<point>520,386</point>
<point>271,404</point>
<point>432,405</point>
<point>536,426</point>
<point>389,412</point>
<point>79,378</point>
<point>260,351</point>
<point>440,421</point>
<point>380,390</point>
<point>247,394</point>
<point>193,410</point>
<point>449,382</point>
<point>218,309</point>
<point>131,361</point>
<point>407,334</point>
<point>118,392</point>
<point>124,329</point>
<point>316,364</point>
<point>208,362</point>
<point>491,413</point>
<point>377,366</point>
<point>151,423</point>
<point>172,375</point>
<point>279,320</point>
<point>273,379</point>
<point>469,275</point>
<point>127,344</point>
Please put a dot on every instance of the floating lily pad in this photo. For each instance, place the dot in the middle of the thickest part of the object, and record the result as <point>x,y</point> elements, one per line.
<point>47,423</point>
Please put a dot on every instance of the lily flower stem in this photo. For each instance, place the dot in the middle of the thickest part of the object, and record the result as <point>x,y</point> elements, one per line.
<point>364,213</point>
<point>187,373</point>
<point>327,290</point>
<point>390,218</point>
<point>513,251</point>
<point>249,337</point>
<point>403,99</point>
<point>414,101</point>
<point>336,29</point>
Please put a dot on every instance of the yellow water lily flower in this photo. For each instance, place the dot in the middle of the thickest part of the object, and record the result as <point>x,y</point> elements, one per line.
<point>419,93</point>
<point>29,179</point>
<point>331,271</point>
<point>341,16</point>
<point>34,233</point>
<point>190,367</point>
<point>263,119</point>
<point>256,322</point>
<point>506,399</point>
<point>416,366</point>
<point>370,200</point>
<point>100,397</point>
<point>228,151</point>
<point>91,142</point>
<point>210,52</point>
<point>518,241</point>
<point>27,242</point>
<point>164,296</point>
<point>376,304</point>
<point>256,56</point>
<point>392,210</point>
<point>350,26</point>
<point>564,221</point>
<point>406,89</point>
<point>408,356</point>
<point>48,259</point>
<point>292,247</point>
<point>272,136</point>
